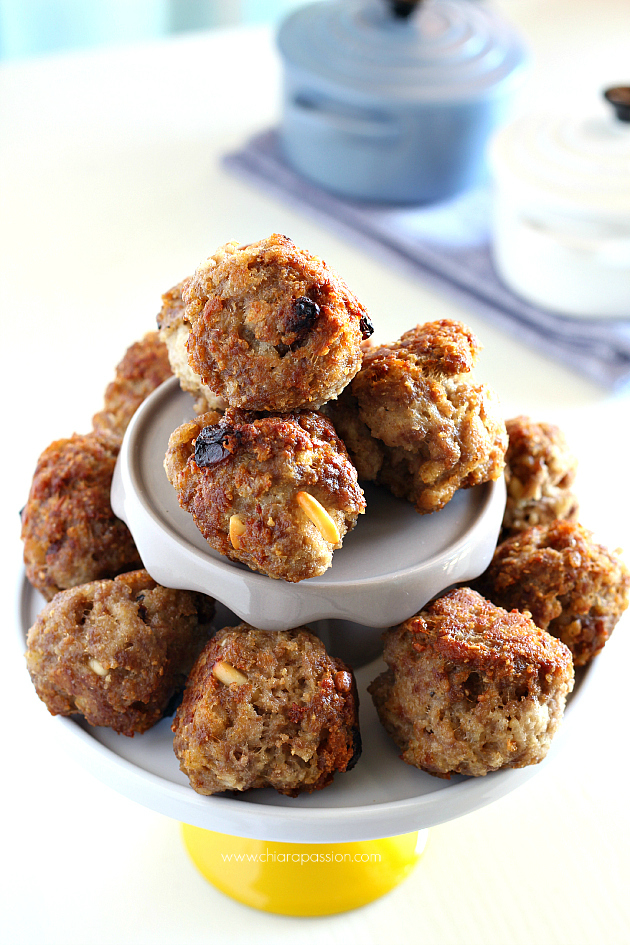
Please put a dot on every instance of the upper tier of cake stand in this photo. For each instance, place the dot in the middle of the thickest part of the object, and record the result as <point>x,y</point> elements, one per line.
<point>390,565</point>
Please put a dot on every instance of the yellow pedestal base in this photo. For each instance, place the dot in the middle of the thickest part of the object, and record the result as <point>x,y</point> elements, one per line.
<point>305,879</point>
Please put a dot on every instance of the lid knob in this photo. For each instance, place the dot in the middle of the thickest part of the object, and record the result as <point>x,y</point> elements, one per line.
<point>619,98</point>
<point>402,9</point>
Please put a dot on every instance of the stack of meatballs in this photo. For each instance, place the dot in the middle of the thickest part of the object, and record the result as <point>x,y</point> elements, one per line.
<point>294,409</point>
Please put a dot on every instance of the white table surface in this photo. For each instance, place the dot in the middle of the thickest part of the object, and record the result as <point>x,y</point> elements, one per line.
<point>111,192</point>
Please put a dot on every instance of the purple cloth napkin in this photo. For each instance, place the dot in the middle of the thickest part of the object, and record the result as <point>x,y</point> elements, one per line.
<point>448,246</point>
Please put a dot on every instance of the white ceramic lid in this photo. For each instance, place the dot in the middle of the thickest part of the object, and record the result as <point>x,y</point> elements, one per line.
<point>568,163</point>
<point>446,50</point>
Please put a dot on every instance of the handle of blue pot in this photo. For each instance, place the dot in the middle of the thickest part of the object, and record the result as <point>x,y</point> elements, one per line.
<point>319,117</point>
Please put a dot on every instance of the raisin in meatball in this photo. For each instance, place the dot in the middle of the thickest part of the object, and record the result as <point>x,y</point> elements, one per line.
<point>539,472</point>
<point>266,709</point>
<point>572,586</point>
<point>275,492</point>
<point>415,420</point>
<point>116,652</point>
<point>70,533</point>
<point>471,688</point>
<point>272,327</point>
<point>143,368</point>
<point>174,329</point>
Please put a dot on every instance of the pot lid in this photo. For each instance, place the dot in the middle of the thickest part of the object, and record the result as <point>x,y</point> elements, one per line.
<point>444,50</point>
<point>569,163</point>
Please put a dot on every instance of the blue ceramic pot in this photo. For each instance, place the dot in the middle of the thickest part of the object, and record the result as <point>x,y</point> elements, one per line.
<point>385,108</point>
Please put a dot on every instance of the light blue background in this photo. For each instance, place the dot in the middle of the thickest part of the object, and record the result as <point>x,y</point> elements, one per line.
<point>35,27</point>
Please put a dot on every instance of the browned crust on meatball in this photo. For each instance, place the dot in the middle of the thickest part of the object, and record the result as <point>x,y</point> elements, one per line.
<point>442,347</point>
<point>571,585</point>
<point>290,725</point>
<point>70,533</point>
<point>435,429</point>
<point>174,330</point>
<point>471,688</point>
<point>143,368</point>
<point>539,472</point>
<point>116,652</point>
<point>171,314</point>
<point>369,455</point>
<point>272,327</point>
<point>257,468</point>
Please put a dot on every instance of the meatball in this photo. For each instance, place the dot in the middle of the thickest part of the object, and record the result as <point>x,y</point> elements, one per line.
<point>266,709</point>
<point>275,492</point>
<point>414,419</point>
<point>174,330</point>
<point>272,327</point>
<point>539,472</point>
<point>572,586</point>
<point>70,533</point>
<point>144,367</point>
<point>116,652</point>
<point>471,688</point>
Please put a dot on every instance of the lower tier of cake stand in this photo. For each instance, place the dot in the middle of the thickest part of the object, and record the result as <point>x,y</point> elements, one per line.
<point>303,879</point>
<point>315,854</point>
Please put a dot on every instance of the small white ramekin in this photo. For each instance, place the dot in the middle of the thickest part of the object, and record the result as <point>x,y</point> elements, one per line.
<point>561,228</point>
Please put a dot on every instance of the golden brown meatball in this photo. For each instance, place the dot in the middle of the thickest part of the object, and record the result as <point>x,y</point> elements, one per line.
<point>143,368</point>
<point>275,492</point>
<point>539,472</point>
<point>471,688</point>
<point>571,585</point>
<point>415,420</point>
<point>70,533</point>
<point>174,330</point>
<point>116,652</point>
<point>266,709</point>
<point>272,327</point>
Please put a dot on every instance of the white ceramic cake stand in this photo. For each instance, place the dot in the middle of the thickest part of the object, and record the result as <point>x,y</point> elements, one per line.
<point>389,567</point>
